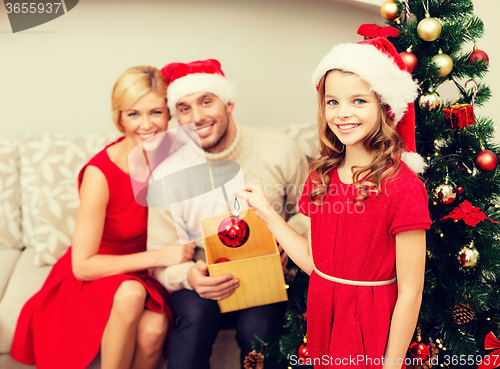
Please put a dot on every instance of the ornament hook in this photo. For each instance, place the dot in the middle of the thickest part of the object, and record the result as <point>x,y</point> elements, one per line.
<point>236,206</point>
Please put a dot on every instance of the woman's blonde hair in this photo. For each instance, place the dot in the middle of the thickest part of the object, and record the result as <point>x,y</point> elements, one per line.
<point>383,143</point>
<point>133,84</point>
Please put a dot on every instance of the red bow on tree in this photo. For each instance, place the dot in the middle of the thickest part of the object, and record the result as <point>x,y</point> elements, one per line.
<point>492,360</point>
<point>372,31</point>
<point>469,214</point>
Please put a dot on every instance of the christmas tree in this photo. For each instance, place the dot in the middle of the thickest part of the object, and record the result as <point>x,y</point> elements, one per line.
<point>461,302</point>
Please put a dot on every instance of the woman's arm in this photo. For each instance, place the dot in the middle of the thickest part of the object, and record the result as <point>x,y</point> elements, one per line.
<point>410,268</point>
<point>87,263</point>
<point>295,245</point>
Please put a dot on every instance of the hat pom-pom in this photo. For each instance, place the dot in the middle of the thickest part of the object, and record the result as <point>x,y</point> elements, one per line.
<point>414,161</point>
<point>372,31</point>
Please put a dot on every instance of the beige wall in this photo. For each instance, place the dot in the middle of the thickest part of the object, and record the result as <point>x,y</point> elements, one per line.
<point>57,77</point>
<point>488,11</point>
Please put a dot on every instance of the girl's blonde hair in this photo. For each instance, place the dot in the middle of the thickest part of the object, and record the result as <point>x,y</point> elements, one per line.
<point>383,143</point>
<point>133,84</point>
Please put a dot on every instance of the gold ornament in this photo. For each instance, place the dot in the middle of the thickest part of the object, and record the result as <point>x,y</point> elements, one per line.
<point>429,28</point>
<point>468,256</point>
<point>444,63</point>
<point>430,101</point>
<point>446,193</point>
<point>389,10</point>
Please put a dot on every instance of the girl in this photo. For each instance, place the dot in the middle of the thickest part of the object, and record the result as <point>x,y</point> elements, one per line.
<point>368,211</point>
<point>99,294</point>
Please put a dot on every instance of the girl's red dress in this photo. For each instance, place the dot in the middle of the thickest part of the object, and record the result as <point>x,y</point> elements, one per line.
<point>61,326</point>
<point>348,326</point>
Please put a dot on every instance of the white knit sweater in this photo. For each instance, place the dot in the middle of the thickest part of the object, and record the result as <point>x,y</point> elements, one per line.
<point>272,158</point>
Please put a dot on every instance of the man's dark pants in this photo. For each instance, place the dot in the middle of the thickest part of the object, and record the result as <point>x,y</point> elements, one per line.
<point>198,321</point>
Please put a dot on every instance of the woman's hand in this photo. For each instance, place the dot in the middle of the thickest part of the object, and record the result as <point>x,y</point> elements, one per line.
<point>256,198</point>
<point>175,253</point>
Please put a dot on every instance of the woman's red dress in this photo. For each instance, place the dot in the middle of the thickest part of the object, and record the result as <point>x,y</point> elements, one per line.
<point>61,326</point>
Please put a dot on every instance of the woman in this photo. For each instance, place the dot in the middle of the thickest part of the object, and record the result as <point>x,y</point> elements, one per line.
<point>99,294</point>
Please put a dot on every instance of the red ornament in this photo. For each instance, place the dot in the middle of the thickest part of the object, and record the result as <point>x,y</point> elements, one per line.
<point>485,161</point>
<point>419,350</point>
<point>222,260</point>
<point>303,352</point>
<point>460,190</point>
<point>233,231</point>
<point>409,59</point>
<point>469,214</point>
<point>478,55</point>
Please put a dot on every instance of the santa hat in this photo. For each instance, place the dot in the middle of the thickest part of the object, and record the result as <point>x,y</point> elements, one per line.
<point>198,76</point>
<point>378,63</point>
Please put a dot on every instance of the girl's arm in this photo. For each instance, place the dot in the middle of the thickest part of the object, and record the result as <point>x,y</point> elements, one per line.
<point>410,269</point>
<point>87,263</point>
<point>295,245</point>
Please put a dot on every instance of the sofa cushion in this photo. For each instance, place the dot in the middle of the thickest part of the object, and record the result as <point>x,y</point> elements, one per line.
<point>49,190</point>
<point>308,138</point>
<point>26,279</point>
<point>10,198</point>
<point>6,362</point>
<point>8,259</point>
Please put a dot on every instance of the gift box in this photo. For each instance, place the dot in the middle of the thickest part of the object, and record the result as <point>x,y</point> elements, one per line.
<point>459,116</point>
<point>256,264</point>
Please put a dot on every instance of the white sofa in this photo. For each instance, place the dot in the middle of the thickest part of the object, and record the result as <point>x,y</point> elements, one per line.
<point>38,203</point>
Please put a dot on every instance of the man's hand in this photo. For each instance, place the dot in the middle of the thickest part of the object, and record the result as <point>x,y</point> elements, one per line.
<point>283,256</point>
<point>213,288</point>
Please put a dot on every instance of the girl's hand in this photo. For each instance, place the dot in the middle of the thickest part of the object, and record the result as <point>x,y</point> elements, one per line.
<point>175,254</point>
<point>256,198</point>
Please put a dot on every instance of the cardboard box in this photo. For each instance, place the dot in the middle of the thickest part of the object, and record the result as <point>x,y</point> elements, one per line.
<point>256,264</point>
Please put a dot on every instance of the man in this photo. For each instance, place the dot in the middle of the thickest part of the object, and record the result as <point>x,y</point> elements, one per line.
<point>199,93</point>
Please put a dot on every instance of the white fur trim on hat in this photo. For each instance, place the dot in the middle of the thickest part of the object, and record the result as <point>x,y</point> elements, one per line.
<point>414,161</point>
<point>395,87</point>
<point>199,82</point>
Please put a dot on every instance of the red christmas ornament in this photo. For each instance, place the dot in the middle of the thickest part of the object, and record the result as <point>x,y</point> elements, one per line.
<point>419,350</point>
<point>233,231</point>
<point>460,190</point>
<point>222,260</point>
<point>478,55</point>
<point>303,352</point>
<point>485,161</point>
<point>409,59</point>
